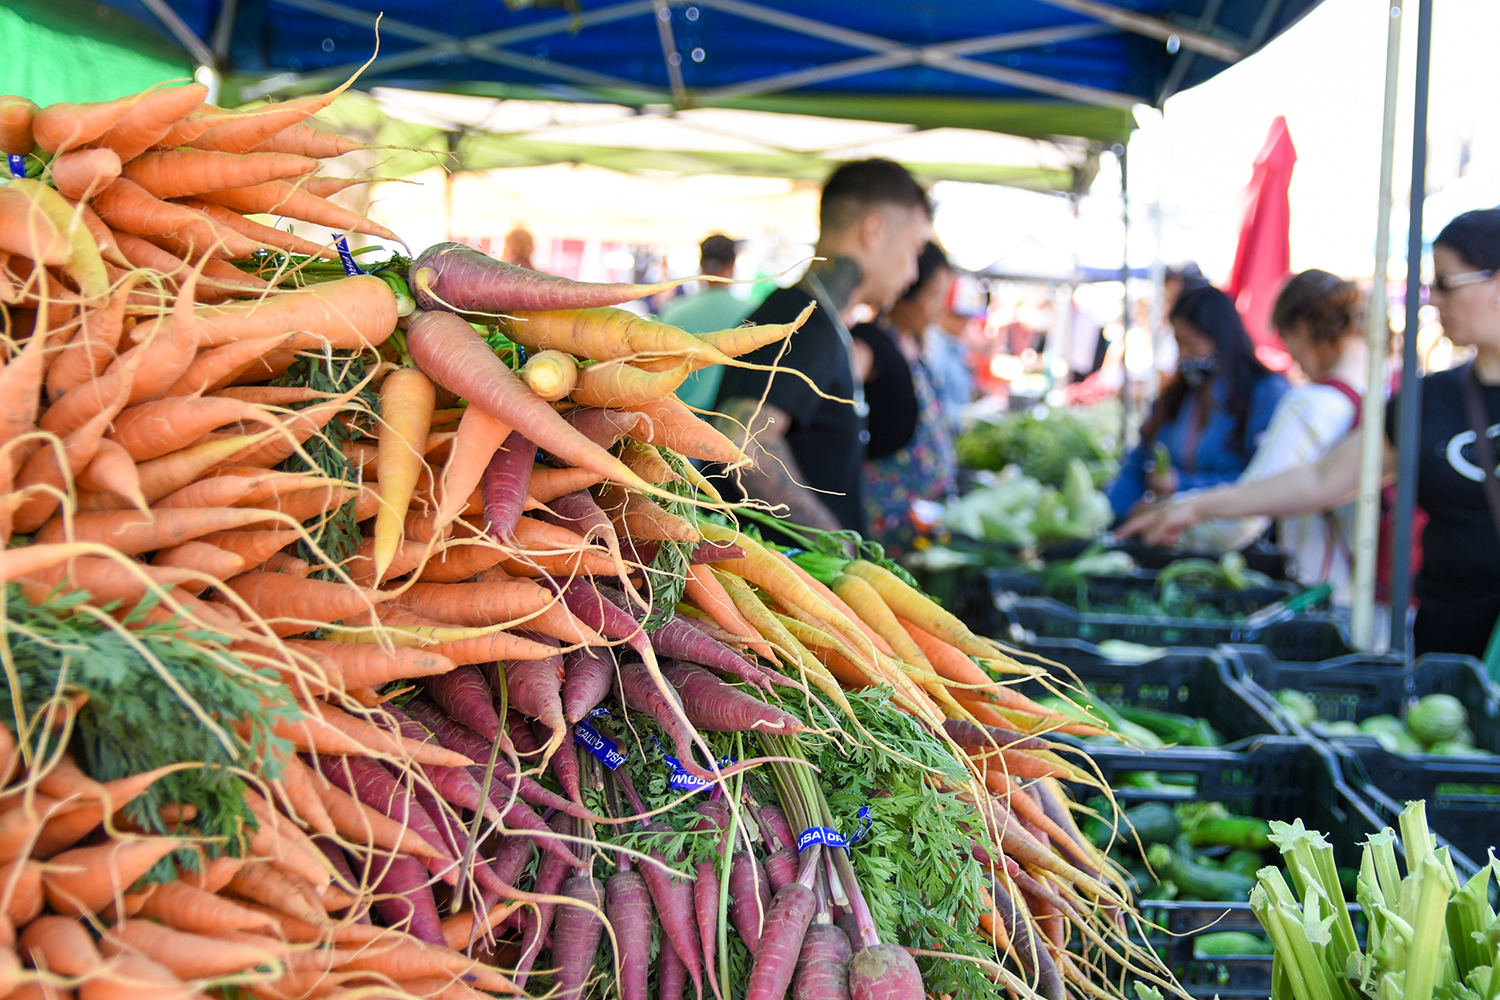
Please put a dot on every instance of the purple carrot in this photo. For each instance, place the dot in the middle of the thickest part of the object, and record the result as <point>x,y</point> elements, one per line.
<point>455,785</point>
<point>603,615</point>
<point>404,898</point>
<point>969,734</point>
<point>504,485</point>
<point>710,552</point>
<point>716,707</point>
<point>564,764</point>
<point>772,819</point>
<point>535,689</point>
<point>671,974</point>
<point>627,904</point>
<point>885,972</point>
<point>577,512</point>
<point>588,674</point>
<point>786,923</point>
<point>373,785</point>
<point>850,927</point>
<point>344,874</point>
<point>452,735</point>
<point>750,890</point>
<point>605,427</point>
<point>512,858</point>
<point>639,552</point>
<point>823,964</point>
<point>460,279</point>
<point>1030,950</point>
<point>455,837</point>
<point>575,936</point>
<point>638,691</point>
<point>521,736</point>
<point>673,897</point>
<point>1057,811</point>
<point>712,816</point>
<point>679,640</point>
<point>536,923</point>
<point>465,695</point>
<point>781,867</point>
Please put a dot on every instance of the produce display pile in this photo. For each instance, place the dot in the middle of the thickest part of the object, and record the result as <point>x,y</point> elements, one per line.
<point>372,635</point>
<point>1043,441</point>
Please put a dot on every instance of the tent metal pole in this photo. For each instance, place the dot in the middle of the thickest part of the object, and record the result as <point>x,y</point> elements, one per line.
<point>1372,435</point>
<point>1125,298</point>
<point>1407,440</point>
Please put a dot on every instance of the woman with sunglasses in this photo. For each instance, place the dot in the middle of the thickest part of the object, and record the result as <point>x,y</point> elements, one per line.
<point>1459,585</point>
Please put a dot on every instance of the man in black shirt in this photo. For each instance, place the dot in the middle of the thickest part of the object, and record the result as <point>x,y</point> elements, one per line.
<point>874,220</point>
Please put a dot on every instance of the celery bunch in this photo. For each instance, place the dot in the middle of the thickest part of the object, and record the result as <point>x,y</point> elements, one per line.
<point>1428,938</point>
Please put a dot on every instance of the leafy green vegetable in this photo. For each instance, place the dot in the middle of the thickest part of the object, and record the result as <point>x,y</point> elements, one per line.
<point>1042,441</point>
<point>156,696</point>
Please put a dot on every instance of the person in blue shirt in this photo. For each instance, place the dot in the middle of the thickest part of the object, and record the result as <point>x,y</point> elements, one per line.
<point>1210,414</point>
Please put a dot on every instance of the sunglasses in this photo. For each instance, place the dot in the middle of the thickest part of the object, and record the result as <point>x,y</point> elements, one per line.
<point>1448,282</point>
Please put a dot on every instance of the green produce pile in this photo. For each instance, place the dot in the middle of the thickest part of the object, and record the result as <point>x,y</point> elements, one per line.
<point>1043,441</point>
<point>1019,510</point>
<point>1429,935</point>
<point>1437,724</point>
<point>1148,727</point>
<point>1193,851</point>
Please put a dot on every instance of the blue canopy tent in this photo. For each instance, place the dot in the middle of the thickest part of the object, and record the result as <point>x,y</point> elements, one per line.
<point>1025,67</point>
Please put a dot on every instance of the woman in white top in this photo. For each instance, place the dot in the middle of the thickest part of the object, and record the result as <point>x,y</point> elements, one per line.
<point>1321,319</point>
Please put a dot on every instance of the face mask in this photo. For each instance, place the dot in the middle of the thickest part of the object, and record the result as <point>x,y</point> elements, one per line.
<point>1196,371</point>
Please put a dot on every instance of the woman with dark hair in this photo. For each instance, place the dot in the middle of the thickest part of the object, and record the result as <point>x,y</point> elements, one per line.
<point>1209,415</point>
<point>1320,318</point>
<point>910,455</point>
<point>1459,583</point>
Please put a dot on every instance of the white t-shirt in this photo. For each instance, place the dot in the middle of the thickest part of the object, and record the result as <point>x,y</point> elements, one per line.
<point>1308,422</point>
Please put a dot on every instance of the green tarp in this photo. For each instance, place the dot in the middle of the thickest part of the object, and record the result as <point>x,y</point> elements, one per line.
<point>67,51</point>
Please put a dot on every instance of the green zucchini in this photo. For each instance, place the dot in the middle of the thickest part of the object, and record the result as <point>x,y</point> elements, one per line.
<point>1193,879</point>
<point>1153,822</point>
<point>1221,944</point>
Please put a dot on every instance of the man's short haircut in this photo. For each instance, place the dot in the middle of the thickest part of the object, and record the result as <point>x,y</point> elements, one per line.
<point>855,188</point>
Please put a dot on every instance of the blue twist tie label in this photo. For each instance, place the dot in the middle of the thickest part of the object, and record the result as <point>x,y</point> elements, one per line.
<point>346,256</point>
<point>17,165</point>
<point>597,743</point>
<point>793,553</point>
<point>866,822</point>
<point>682,781</point>
<point>821,835</point>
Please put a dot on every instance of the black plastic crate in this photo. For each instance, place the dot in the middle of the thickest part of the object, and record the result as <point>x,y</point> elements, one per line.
<point>1192,682</point>
<point>1462,793</point>
<point>1114,590</point>
<point>1309,638</point>
<point>1261,556</point>
<point>1243,976</point>
<point>965,591</point>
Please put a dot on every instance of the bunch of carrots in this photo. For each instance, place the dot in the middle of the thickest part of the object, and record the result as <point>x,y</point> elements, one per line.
<point>537,582</point>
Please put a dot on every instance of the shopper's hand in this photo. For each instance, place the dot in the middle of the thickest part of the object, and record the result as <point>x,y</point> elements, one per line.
<point>1163,481</point>
<point>1161,523</point>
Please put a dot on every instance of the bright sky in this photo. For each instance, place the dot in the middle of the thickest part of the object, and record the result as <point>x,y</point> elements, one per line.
<point>1326,75</point>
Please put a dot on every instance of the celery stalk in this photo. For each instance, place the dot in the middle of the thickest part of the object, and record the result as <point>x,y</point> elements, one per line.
<point>1382,848</point>
<point>1416,838</point>
<point>1468,915</point>
<point>1309,859</point>
<point>1428,928</point>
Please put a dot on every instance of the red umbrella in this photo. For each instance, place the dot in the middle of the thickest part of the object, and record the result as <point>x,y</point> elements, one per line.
<point>1262,261</point>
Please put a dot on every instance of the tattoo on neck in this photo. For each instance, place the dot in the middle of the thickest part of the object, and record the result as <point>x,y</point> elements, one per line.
<point>840,277</point>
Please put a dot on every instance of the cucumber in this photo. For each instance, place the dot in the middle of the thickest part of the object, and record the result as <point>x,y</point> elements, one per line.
<point>1177,863</point>
<point>1221,944</point>
<point>1233,831</point>
<point>1169,726</point>
<point>1154,823</point>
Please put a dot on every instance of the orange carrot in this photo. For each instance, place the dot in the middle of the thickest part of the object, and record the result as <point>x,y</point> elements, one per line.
<point>184,954</point>
<point>201,557</point>
<point>127,207</point>
<point>289,201</point>
<point>297,428</point>
<point>476,604</point>
<point>220,491</point>
<point>641,518</point>
<point>363,824</point>
<point>375,739</point>
<point>60,127</point>
<point>413,959</point>
<point>160,359</point>
<point>254,547</point>
<point>252,230</point>
<point>304,140</point>
<point>89,354</point>
<point>151,118</point>
<point>708,594</point>
<point>109,248</point>
<point>217,367</point>
<point>87,879</point>
<point>677,427</point>
<point>131,533</point>
<point>407,399</point>
<point>369,665</point>
<point>261,883</point>
<point>106,580</point>
<point>113,473</point>
<point>268,395</point>
<point>47,470</point>
<point>179,173</point>
<point>21,887</point>
<point>459,561</point>
<point>151,430</point>
<point>291,605</point>
<point>948,661</point>
<point>83,173</point>
<point>61,945</point>
<point>25,230</point>
<point>479,437</point>
<point>361,565</point>
<point>242,132</point>
<point>16,114</point>
<point>646,462</point>
<point>557,622</point>
<point>299,792</point>
<point>186,908</point>
<point>619,384</point>
<point>548,484</point>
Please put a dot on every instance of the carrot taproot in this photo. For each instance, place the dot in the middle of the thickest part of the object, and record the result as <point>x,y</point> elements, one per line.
<point>21,889</point>
<point>552,375</point>
<point>361,565</point>
<point>911,604</point>
<point>289,201</point>
<point>16,114</point>
<point>46,472</point>
<point>60,945</point>
<point>460,560</point>
<point>106,580</point>
<point>127,207</point>
<point>619,384</point>
<point>26,231</point>
<point>160,359</point>
<point>201,558</point>
<point>183,953</point>
<point>303,505</point>
<point>187,908</point>
<point>216,367</point>
<point>217,491</point>
<point>606,334</point>
<point>254,546</point>
<point>104,238</point>
<point>713,706</point>
<point>179,173</point>
<point>151,430</point>
<point>89,354</point>
<point>449,350</point>
<point>305,140</point>
<point>407,399</point>
<point>151,118</point>
<point>645,461</point>
<point>261,883</point>
<point>478,437</point>
<point>361,824</point>
<point>243,131</point>
<point>947,660</point>
<point>83,173</point>
<point>458,277</point>
<point>705,591</point>
<point>744,339</point>
<point>485,646</point>
<point>86,879</point>
<point>350,313</point>
<point>671,423</point>
<point>378,740</point>
<point>268,395</point>
<point>368,665</point>
<point>547,484</point>
<point>476,604</point>
<point>290,605</point>
<point>557,622</point>
<point>132,533</point>
<point>146,256</point>
<point>412,959</point>
<point>641,518</point>
<point>269,236</point>
<point>605,427</point>
<point>63,126</point>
